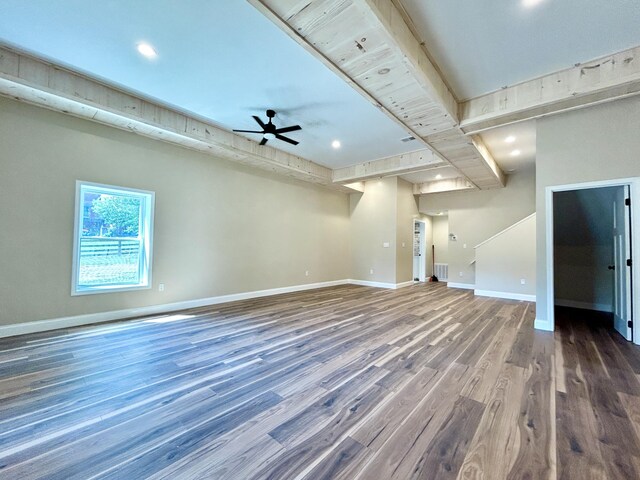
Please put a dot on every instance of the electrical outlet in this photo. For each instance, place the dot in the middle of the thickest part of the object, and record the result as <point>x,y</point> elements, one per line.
<point>402,244</point>
<point>464,245</point>
<point>161,287</point>
<point>306,273</point>
<point>522,281</point>
<point>371,271</point>
<point>385,245</point>
<point>461,274</point>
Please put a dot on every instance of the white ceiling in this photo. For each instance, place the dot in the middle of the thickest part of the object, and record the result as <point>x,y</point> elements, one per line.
<point>220,59</point>
<point>524,140</point>
<point>437,213</point>
<point>481,46</point>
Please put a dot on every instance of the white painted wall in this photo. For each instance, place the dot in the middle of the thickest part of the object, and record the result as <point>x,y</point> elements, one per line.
<point>507,259</point>
<point>219,228</point>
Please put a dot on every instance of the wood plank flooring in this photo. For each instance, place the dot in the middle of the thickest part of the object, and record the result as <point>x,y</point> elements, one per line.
<point>346,382</point>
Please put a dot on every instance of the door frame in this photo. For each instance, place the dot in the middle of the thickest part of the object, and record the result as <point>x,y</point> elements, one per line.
<point>634,187</point>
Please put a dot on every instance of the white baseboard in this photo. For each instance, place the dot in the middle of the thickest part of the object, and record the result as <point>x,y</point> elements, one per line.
<point>506,295</point>
<point>600,307</point>
<point>466,286</point>
<point>91,318</point>
<point>367,283</point>
<point>392,286</point>
<point>541,324</point>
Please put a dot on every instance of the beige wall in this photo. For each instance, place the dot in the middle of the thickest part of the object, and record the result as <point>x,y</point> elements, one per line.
<point>237,215</point>
<point>219,228</point>
<point>384,214</point>
<point>373,223</point>
<point>504,261</point>
<point>475,216</point>
<point>441,238</point>
<point>407,212</point>
<point>596,143</point>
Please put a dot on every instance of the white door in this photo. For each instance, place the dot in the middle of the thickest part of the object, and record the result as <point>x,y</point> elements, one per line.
<point>622,270</point>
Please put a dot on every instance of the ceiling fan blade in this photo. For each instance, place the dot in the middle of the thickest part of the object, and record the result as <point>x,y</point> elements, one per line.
<point>248,131</point>
<point>288,129</point>
<point>260,122</point>
<point>285,139</point>
<point>263,141</point>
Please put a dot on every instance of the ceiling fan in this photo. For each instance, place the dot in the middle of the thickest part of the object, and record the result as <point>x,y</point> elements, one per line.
<point>269,130</point>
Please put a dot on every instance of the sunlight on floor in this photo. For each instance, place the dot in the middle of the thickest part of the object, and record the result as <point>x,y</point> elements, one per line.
<point>170,318</point>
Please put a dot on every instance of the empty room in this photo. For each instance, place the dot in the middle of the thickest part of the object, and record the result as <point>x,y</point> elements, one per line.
<point>319,239</point>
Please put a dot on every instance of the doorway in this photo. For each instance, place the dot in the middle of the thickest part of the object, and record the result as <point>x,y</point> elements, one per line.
<point>419,251</point>
<point>591,240</point>
<point>441,239</point>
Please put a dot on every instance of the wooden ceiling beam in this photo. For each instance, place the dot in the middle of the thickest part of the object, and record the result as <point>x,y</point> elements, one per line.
<point>407,47</point>
<point>32,80</point>
<point>601,80</point>
<point>370,45</point>
<point>446,185</point>
<point>396,165</point>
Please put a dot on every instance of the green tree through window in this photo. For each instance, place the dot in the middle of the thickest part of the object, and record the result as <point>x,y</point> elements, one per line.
<point>120,215</point>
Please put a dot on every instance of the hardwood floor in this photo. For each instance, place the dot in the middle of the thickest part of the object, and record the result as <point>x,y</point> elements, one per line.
<point>339,383</point>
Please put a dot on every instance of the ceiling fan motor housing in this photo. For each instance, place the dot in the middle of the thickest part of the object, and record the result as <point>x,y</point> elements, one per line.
<point>269,130</point>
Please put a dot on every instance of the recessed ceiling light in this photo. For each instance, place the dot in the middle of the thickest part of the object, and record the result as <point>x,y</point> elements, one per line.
<point>510,139</point>
<point>438,177</point>
<point>383,71</point>
<point>531,3</point>
<point>515,153</point>
<point>147,50</point>
<point>336,144</point>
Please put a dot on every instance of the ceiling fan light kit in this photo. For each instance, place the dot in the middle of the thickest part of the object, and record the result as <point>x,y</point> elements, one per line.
<point>269,130</point>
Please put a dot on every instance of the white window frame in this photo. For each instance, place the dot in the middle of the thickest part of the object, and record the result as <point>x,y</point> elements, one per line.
<point>146,233</point>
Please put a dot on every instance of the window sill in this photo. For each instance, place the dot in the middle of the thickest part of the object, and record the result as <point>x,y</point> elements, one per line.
<point>108,289</point>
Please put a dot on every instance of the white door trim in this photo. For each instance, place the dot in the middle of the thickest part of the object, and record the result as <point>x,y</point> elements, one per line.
<point>634,186</point>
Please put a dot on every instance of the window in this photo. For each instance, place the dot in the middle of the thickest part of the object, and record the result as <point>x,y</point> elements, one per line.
<point>112,240</point>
